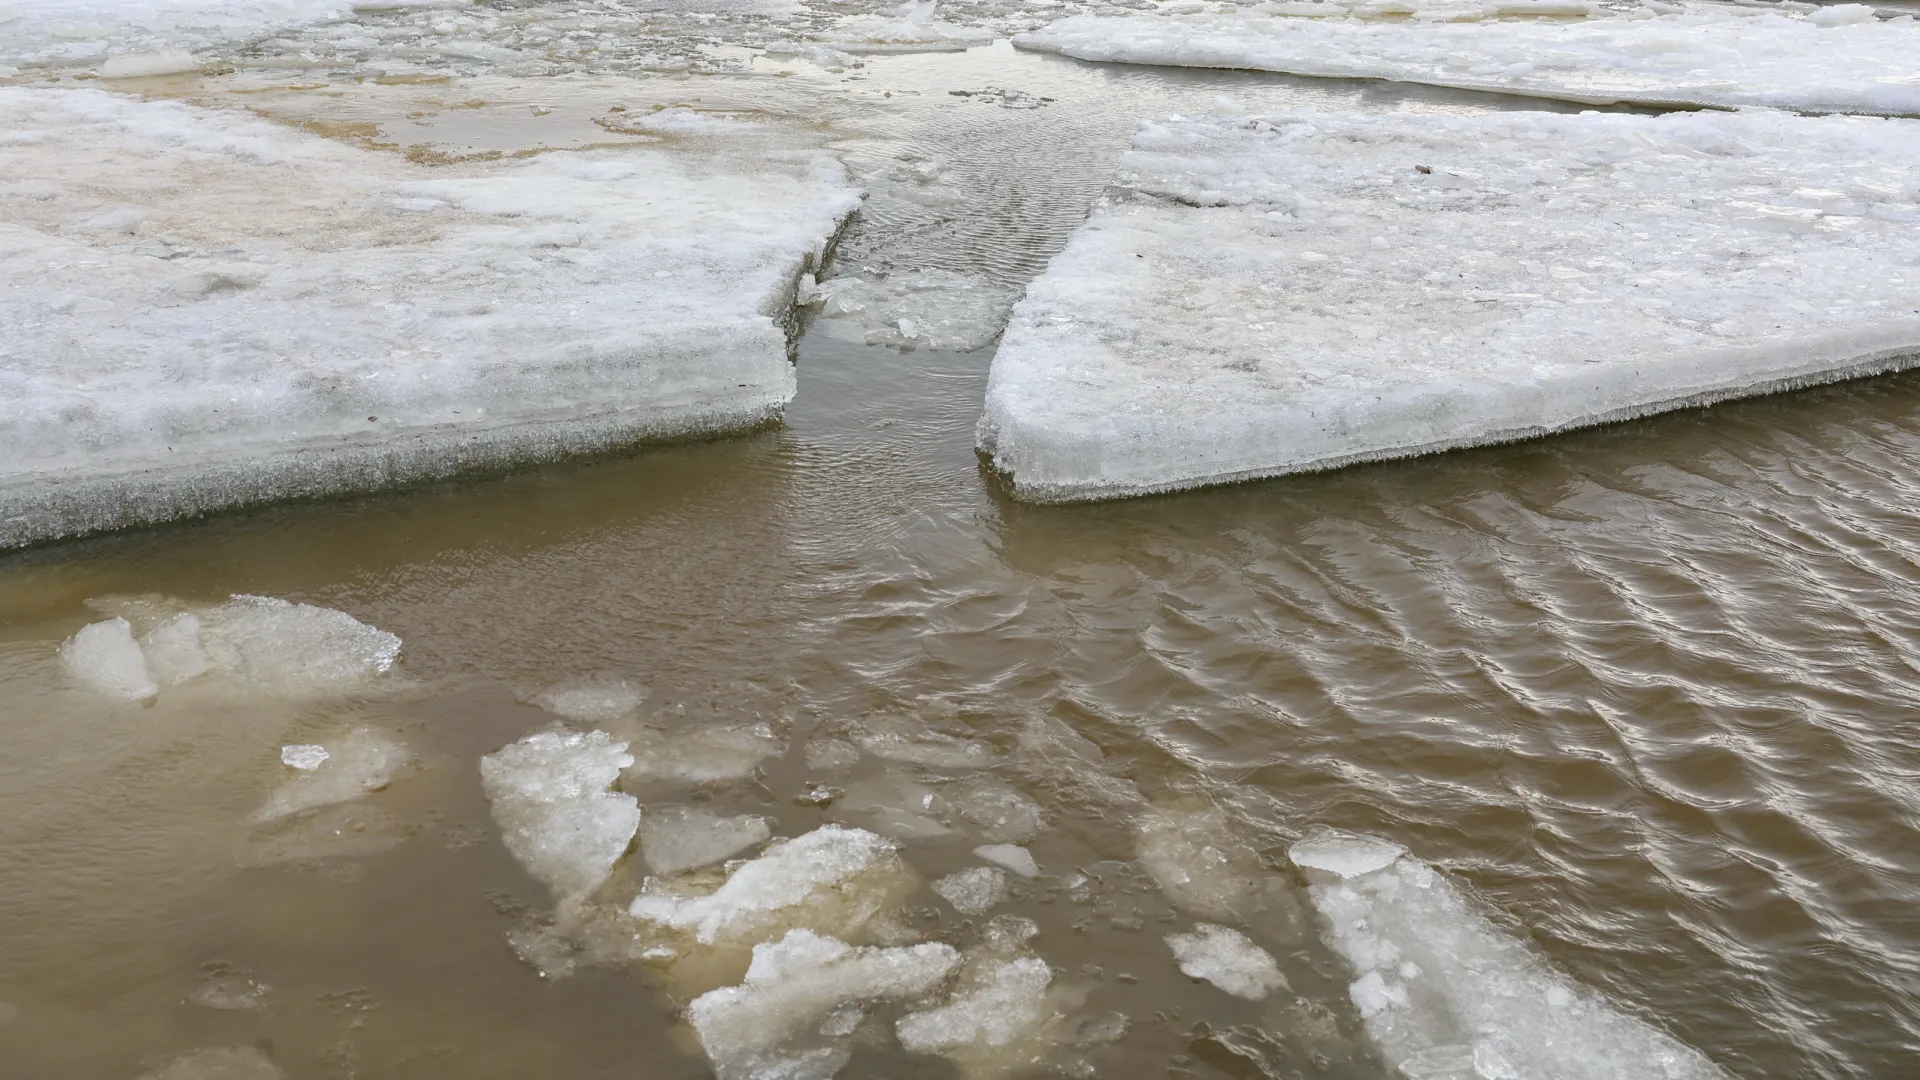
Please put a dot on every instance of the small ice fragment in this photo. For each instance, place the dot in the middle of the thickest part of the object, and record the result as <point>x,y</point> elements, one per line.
<point>142,65</point>
<point>294,649</point>
<point>696,755</point>
<point>218,1063</point>
<point>910,745</point>
<point>833,877</point>
<point>1373,994</point>
<point>105,658</point>
<point>363,760</point>
<point>1451,1062</point>
<point>304,756</point>
<point>550,796</point>
<point>1345,856</point>
<point>974,891</point>
<point>831,755</point>
<point>227,990</point>
<point>1011,856</point>
<point>1005,815</point>
<point>597,701</point>
<point>1229,960</point>
<point>997,1003</point>
<point>173,650</point>
<point>677,838</point>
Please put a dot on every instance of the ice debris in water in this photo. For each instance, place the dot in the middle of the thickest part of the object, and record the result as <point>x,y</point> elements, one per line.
<point>914,26</point>
<point>1011,856</point>
<point>265,312</point>
<point>593,701</point>
<point>677,838</point>
<point>1836,59</point>
<point>1447,996</point>
<point>792,1015</point>
<point>1200,862</point>
<point>174,651</point>
<point>1228,959</point>
<point>1345,856</point>
<point>218,1063</point>
<point>1301,291</point>
<point>696,754</point>
<point>364,760</point>
<point>974,891</point>
<point>908,743</point>
<point>833,879</point>
<point>1003,814</point>
<point>550,794</point>
<point>931,309</point>
<point>997,1005</point>
<point>104,657</point>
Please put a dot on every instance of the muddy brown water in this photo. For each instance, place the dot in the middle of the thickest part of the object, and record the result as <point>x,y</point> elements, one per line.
<point>1648,691</point>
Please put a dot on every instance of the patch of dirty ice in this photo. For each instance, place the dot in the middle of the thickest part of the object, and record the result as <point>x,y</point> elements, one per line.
<point>362,761</point>
<point>1833,59</point>
<point>241,311</point>
<point>1276,294</point>
<point>1228,959</point>
<point>1447,996</point>
<point>551,794</point>
<point>793,1015</point>
<point>678,838</point>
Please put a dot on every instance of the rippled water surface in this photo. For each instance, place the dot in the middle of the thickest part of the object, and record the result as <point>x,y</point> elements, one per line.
<point>1648,692</point>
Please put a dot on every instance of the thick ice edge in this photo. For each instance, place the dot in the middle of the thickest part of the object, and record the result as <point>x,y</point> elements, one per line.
<point>1446,996</point>
<point>1266,296</point>
<point>203,310</point>
<point>1707,54</point>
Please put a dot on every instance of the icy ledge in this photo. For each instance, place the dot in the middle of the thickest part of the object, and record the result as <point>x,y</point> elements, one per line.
<point>1446,996</point>
<point>1834,59</point>
<point>1267,296</point>
<point>201,310</point>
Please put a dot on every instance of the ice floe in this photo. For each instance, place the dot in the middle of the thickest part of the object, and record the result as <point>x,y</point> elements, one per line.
<point>104,657</point>
<point>362,761</point>
<point>204,309</point>
<point>931,309</point>
<point>1228,959</point>
<point>699,753</point>
<point>677,838</point>
<point>1838,59</point>
<point>1011,857</point>
<point>550,794</point>
<point>1198,858</point>
<point>997,1008</point>
<point>914,26</point>
<point>974,891</point>
<point>792,1017</point>
<point>1447,996</point>
<point>590,701</point>
<point>130,38</point>
<point>1270,295</point>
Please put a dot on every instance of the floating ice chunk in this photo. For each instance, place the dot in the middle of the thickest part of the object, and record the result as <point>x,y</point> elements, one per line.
<point>303,338</point>
<point>997,1006</point>
<point>293,649</point>
<point>1002,813</point>
<point>1439,987</point>
<point>914,26</point>
<point>1010,856</point>
<point>1226,312</point>
<point>802,996</point>
<point>898,806</point>
<point>155,33</point>
<point>931,309</point>
<point>831,755</point>
<point>227,990</point>
<point>676,838</point>
<point>219,1063</point>
<point>831,879</point>
<point>698,754</point>
<point>1831,60</point>
<point>362,761</point>
<point>550,796</point>
<point>974,891</point>
<point>1200,862</point>
<point>1345,856</point>
<point>173,650</point>
<point>904,742</point>
<point>142,65</point>
<point>106,659</point>
<point>1229,960</point>
<point>595,701</point>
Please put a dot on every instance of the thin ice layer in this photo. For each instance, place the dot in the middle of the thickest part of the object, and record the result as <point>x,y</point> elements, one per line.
<point>551,797</point>
<point>1705,54</point>
<point>202,309</point>
<point>1266,296</point>
<point>1446,996</point>
<point>362,761</point>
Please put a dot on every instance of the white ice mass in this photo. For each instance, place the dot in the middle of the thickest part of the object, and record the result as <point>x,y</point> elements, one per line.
<point>130,38</point>
<point>1447,996</point>
<point>550,794</point>
<point>1272,295</point>
<point>1726,55</point>
<point>1228,959</point>
<point>203,309</point>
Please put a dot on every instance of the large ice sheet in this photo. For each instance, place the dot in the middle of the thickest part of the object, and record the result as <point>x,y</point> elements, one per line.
<point>1830,60</point>
<point>200,309</point>
<point>1265,296</point>
<point>36,33</point>
<point>1446,996</point>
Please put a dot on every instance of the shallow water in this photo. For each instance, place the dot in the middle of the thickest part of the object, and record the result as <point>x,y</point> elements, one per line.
<point>1646,690</point>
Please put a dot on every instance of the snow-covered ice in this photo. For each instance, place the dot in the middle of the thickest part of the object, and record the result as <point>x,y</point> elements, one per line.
<point>1726,55</point>
<point>998,1006</point>
<point>973,891</point>
<point>677,838</point>
<point>1228,959</point>
<point>362,761</point>
<point>203,309</point>
<point>792,1016</point>
<point>551,796</point>
<point>833,879</point>
<point>1447,996</point>
<point>1272,295</point>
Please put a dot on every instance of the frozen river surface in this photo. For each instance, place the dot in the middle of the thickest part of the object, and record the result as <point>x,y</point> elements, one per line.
<point>810,752</point>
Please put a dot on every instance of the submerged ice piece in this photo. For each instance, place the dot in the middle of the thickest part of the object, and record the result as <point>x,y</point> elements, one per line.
<point>550,795</point>
<point>1267,296</point>
<point>1833,59</point>
<point>201,309</point>
<point>362,761</point>
<point>1446,996</point>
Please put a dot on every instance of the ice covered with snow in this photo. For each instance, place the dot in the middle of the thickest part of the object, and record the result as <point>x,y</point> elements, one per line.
<point>973,891</point>
<point>1446,995</point>
<point>677,838</point>
<point>833,879</point>
<point>999,1004</point>
<point>104,657</point>
<point>1228,959</point>
<point>1011,857</point>
<point>203,309</point>
<point>1726,55</point>
<point>551,796</point>
<point>362,761</point>
<point>792,1016</point>
<point>1272,295</point>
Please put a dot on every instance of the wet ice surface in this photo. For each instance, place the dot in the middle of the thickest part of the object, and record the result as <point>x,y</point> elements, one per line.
<point>551,795</point>
<point>1228,959</point>
<point>1292,292</point>
<point>1829,59</point>
<point>361,761</point>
